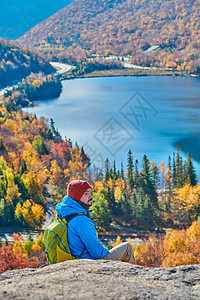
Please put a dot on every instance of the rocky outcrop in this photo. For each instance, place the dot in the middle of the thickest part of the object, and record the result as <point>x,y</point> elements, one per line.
<point>88,279</point>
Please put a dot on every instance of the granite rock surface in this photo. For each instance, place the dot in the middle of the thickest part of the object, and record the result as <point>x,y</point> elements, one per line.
<point>88,279</point>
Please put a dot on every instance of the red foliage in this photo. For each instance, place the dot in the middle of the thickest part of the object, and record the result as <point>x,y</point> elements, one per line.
<point>10,260</point>
<point>61,153</point>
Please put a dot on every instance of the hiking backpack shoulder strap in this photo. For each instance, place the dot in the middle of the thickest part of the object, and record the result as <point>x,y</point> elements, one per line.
<point>70,217</point>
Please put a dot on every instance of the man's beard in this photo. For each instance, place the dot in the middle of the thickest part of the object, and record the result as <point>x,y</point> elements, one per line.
<point>84,205</point>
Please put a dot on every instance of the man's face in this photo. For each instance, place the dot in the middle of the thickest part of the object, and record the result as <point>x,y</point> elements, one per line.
<point>87,197</point>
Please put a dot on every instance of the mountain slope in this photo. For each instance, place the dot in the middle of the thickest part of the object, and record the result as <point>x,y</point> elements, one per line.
<point>17,17</point>
<point>17,62</point>
<point>123,27</point>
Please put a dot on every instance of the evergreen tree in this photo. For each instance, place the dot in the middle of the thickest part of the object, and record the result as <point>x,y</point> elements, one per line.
<point>122,171</point>
<point>137,176</point>
<point>169,185</point>
<point>147,184</point>
<point>179,168</point>
<point>174,175</point>
<point>114,172</point>
<point>69,143</point>
<point>127,215</point>
<point>150,214</point>
<point>191,177</point>
<point>130,180</point>
<point>140,208</point>
<point>2,147</point>
<point>7,211</point>
<point>155,175</point>
<point>23,167</point>
<point>134,201</point>
<point>107,171</point>
<point>109,196</point>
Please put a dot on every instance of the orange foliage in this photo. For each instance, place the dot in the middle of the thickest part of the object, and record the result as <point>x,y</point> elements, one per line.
<point>10,260</point>
<point>178,248</point>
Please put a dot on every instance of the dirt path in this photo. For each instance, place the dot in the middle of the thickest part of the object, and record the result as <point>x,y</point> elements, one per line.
<point>50,209</point>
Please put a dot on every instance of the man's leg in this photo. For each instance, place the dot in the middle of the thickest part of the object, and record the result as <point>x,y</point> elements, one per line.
<point>122,252</point>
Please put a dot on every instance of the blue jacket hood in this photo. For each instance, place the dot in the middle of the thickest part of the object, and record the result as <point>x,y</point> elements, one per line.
<point>68,207</point>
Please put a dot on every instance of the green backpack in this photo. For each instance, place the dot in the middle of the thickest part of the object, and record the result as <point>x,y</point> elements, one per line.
<point>55,240</point>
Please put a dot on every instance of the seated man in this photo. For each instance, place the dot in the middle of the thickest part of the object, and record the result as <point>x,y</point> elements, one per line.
<point>82,236</point>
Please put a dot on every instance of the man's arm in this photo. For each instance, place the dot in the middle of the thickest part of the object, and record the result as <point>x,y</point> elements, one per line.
<point>88,236</point>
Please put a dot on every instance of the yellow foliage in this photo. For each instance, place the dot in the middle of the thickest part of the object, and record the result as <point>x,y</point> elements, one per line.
<point>185,203</point>
<point>109,183</point>
<point>17,246</point>
<point>178,259</point>
<point>98,186</point>
<point>38,211</point>
<point>118,241</point>
<point>12,188</point>
<point>35,247</point>
<point>117,193</point>
<point>33,214</point>
<point>120,183</point>
<point>77,168</point>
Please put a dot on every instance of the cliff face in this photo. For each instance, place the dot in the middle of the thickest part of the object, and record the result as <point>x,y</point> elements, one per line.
<point>87,279</point>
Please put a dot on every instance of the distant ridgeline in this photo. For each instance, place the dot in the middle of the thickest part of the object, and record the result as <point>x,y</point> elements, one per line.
<point>17,62</point>
<point>105,27</point>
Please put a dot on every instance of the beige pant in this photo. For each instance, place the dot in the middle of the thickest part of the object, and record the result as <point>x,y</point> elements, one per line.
<point>122,252</point>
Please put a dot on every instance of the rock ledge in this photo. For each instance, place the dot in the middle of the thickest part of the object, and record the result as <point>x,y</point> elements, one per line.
<point>88,279</point>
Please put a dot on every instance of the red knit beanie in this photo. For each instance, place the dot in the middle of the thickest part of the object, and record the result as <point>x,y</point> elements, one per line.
<point>77,188</point>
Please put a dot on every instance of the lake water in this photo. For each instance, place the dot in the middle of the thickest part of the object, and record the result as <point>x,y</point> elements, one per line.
<point>108,116</point>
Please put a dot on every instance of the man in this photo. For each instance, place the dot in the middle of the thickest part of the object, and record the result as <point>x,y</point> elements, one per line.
<point>82,236</point>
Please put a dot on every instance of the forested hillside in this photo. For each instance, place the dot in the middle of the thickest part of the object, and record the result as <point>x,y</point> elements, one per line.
<point>17,62</point>
<point>144,195</point>
<point>32,153</point>
<point>124,27</point>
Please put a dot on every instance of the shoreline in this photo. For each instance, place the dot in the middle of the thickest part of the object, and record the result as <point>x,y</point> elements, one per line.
<point>127,72</point>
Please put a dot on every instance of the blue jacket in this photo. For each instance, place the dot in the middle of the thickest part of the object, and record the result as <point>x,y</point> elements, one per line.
<point>81,231</point>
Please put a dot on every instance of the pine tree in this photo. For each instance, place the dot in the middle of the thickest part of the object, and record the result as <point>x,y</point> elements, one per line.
<point>107,171</point>
<point>174,175</point>
<point>2,147</point>
<point>147,182</point>
<point>137,175</point>
<point>23,167</point>
<point>150,214</point>
<point>191,177</point>
<point>141,208</point>
<point>169,185</point>
<point>109,195</point>
<point>179,168</point>
<point>155,174</point>
<point>122,171</point>
<point>130,180</point>
<point>114,172</point>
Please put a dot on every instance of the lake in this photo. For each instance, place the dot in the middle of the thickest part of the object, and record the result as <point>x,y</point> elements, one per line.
<point>110,115</point>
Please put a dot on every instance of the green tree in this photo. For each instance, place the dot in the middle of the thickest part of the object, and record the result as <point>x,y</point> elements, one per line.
<point>147,183</point>
<point>174,175</point>
<point>107,170</point>
<point>39,146</point>
<point>100,208</point>
<point>191,177</point>
<point>130,180</point>
<point>23,168</point>
<point>179,168</point>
